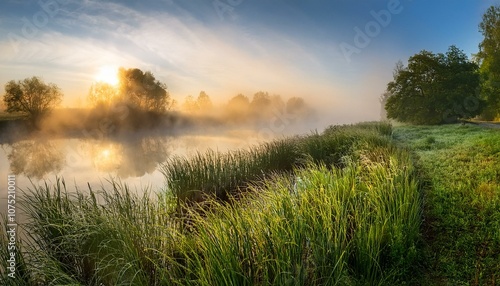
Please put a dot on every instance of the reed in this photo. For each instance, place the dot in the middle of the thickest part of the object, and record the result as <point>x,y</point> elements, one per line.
<point>357,225</point>
<point>221,174</point>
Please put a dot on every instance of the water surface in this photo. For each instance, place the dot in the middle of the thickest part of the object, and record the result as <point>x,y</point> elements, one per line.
<point>132,159</point>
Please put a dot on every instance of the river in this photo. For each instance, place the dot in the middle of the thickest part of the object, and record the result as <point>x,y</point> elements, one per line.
<point>133,159</point>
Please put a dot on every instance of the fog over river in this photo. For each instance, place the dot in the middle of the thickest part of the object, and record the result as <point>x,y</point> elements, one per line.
<point>134,159</point>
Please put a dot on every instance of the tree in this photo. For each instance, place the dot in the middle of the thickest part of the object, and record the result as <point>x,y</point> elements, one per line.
<point>143,91</point>
<point>102,94</point>
<point>261,105</point>
<point>383,100</point>
<point>204,102</point>
<point>31,96</point>
<point>261,101</point>
<point>434,89</point>
<point>297,107</point>
<point>489,59</point>
<point>240,102</point>
<point>238,107</point>
<point>190,104</point>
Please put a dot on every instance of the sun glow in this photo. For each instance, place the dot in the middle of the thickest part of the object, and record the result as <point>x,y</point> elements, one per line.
<point>105,153</point>
<point>107,74</point>
<point>107,157</point>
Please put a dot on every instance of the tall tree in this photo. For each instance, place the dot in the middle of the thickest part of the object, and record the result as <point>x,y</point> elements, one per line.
<point>31,96</point>
<point>434,88</point>
<point>143,91</point>
<point>489,58</point>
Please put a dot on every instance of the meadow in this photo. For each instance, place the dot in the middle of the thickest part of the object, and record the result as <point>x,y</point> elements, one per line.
<point>341,207</point>
<point>460,168</point>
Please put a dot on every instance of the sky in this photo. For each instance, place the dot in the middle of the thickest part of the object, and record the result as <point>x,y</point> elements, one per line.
<point>337,54</point>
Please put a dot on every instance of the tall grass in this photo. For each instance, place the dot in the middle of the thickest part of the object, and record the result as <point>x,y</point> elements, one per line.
<point>357,225</point>
<point>306,223</point>
<point>220,174</point>
<point>96,237</point>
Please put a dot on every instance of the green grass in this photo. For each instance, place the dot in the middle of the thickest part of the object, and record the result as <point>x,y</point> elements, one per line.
<point>347,226</point>
<point>462,214</point>
<point>223,174</point>
<point>337,208</point>
<point>341,207</point>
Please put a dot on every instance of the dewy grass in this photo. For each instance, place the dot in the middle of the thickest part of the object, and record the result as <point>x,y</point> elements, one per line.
<point>462,214</point>
<point>324,227</point>
<point>305,222</point>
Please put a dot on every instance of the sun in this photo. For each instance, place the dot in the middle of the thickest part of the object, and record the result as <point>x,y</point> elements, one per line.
<point>107,74</point>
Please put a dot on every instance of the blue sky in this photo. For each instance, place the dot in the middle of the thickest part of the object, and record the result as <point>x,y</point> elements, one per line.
<point>226,47</point>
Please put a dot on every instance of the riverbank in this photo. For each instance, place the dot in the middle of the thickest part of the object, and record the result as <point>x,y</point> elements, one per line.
<point>341,206</point>
<point>367,204</point>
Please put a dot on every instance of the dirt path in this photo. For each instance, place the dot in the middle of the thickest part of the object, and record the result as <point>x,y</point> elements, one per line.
<point>495,125</point>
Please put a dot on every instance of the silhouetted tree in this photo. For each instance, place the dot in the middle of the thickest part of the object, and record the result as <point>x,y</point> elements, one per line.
<point>31,96</point>
<point>434,89</point>
<point>297,106</point>
<point>102,94</point>
<point>261,100</point>
<point>238,108</point>
<point>143,91</point>
<point>190,104</point>
<point>204,102</point>
<point>261,105</point>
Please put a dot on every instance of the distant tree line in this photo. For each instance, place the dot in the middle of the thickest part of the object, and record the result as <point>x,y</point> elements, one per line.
<point>139,99</point>
<point>241,108</point>
<point>444,88</point>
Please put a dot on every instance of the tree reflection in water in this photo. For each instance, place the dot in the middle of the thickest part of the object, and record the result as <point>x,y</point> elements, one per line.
<point>133,158</point>
<point>35,158</point>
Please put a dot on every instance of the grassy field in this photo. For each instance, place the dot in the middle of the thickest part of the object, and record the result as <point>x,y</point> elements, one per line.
<point>461,165</point>
<point>365,204</point>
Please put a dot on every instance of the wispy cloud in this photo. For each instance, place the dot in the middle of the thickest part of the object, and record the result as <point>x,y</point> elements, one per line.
<point>189,54</point>
<point>110,32</point>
